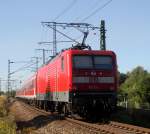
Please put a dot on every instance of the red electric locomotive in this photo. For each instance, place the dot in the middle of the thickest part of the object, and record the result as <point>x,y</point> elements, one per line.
<point>75,81</point>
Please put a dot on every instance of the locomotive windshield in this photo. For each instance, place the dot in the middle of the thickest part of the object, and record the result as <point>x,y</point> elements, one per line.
<point>92,62</point>
<point>103,62</point>
<point>83,62</point>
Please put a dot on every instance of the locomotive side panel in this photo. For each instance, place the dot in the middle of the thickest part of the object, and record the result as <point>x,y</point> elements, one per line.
<point>53,80</point>
<point>63,69</point>
<point>59,79</point>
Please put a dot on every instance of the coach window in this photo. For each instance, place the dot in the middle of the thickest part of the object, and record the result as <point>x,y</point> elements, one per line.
<point>62,63</point>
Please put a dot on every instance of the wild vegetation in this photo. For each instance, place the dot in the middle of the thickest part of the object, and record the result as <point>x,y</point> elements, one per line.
<point>134,98</point>
<point>135,87</point>
<point>7,123</point>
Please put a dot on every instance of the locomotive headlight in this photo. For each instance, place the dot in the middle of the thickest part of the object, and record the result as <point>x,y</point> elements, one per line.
<point>74,94</point>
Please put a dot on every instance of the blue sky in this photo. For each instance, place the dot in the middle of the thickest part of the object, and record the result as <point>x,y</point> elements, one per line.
<point>127,23</point>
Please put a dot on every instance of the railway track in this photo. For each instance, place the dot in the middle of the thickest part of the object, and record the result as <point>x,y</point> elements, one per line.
<point>90,127</point>
<point>95,128</point>
<point>112,127</point>
<point>135,129</point>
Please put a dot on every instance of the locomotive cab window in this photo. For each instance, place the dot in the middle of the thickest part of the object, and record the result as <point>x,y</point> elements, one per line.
<point>62,63</point>
<point>103,62</point>
<point>82,62</point>
<point>92,62</point>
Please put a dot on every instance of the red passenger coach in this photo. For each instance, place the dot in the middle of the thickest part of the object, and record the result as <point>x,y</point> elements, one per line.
<point>28,90</point>
<point>75,81</point>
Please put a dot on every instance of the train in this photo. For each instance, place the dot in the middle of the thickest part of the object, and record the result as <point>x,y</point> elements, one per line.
<point>76,80</point>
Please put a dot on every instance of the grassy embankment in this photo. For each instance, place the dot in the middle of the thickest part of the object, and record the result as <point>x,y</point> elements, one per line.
<point>7,122</point>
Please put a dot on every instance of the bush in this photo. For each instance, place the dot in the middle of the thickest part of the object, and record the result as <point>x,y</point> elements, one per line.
<point>7,126</point>
<point>3,111</point>
<point>7,121</point>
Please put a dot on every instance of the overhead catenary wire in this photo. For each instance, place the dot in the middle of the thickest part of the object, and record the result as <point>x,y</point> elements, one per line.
<point>97,10</point>
<point>82,27</point>
<point>94,12</point>
<point>22,62</point>
<point>64,34</point>
<point>22,68</point>
<point>93,6</point>
<point>66,9</point>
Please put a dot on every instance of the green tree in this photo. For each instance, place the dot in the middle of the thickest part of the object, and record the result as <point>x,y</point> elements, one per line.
<point>145,89</point>
<point>122,78</point>
<point>137,86</point>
